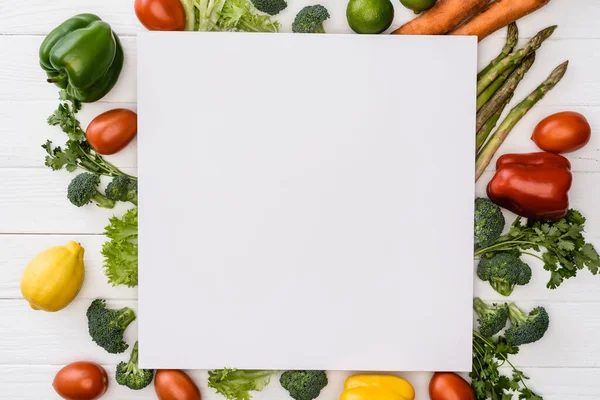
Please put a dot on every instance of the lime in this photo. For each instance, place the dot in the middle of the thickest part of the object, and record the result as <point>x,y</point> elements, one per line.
<point>418,5</point>
<point>370,16</point>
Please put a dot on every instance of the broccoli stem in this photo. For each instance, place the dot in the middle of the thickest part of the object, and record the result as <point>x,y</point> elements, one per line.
<point>133,360</point>
<point>103,201</point>
<point>479,306</point>
<point>126,317</point>
<point>516,314</point>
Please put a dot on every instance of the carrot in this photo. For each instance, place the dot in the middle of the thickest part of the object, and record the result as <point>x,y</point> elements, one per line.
<point>441,18</point>
<point>497,15</point>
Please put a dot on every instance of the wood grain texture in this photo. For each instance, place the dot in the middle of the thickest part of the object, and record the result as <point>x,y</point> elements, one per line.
<point>35,214</point>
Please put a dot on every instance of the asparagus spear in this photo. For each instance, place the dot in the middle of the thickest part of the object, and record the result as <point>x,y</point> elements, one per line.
<point>515,115</point>
<point>513,59</point>
<point>502,94</point>
<point>489,125</point>
<point>512,38</point>
<point>497,84</point>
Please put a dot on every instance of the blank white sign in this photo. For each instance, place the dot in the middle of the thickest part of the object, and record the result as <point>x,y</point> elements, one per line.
<point>306,201</point>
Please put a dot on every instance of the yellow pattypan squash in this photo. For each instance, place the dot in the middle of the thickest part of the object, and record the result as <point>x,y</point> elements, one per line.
<point>54,277</point>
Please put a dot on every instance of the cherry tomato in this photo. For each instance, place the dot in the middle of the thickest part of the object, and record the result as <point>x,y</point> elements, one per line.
<point>449,386</point>
<point>174,384</point>
<point>161,15</point>
<point>81,381</point>
<point>111,131</point>
<point>562,133</point>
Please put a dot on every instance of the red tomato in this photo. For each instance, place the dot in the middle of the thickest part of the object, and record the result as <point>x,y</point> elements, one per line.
<point>174,384</point>
<point>449,386</point>
<point>562,133</point>
<point>161,15</point>
<point>111,131</point>
<point>81,381</point>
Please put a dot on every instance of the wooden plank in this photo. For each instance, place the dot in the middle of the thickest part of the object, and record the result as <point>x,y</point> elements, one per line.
<point>577,18</point>
<point>34,383</point>
<point>24,130</point>
<point>24,80</point>
<point>18,250</point>
<point>34,201</point>
<point>34,337</point>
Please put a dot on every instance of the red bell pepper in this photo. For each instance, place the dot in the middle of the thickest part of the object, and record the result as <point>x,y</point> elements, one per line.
<point>534,185</point>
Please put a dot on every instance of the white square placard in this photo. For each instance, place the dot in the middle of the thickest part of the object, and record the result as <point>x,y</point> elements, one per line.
<point>306,201</point>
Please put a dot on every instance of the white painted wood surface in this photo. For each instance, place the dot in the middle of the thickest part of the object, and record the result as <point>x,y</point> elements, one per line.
<point>34,213</point>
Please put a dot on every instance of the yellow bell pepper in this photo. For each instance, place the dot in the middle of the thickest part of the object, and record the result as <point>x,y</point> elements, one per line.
<point>54,277</point>
<point>377,387</point>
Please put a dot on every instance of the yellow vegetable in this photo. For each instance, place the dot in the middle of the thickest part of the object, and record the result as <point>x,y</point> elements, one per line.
<point>377,387</point>
<point>54,277</point>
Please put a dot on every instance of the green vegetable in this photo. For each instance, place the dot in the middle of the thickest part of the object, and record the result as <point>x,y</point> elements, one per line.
<point>130,375</point>
<point>486,379</point>
<point>236,384</point>
<point>310,19</point>
<point>516,114</point>
<point>497,98</point>
<point>121,251</point>
<point>489,125</point>
<point>122,188</point>
<point>564,249</point>
<point>526,328</point>
<point>513,59</point>
<point>304,385</point>
<point>504,271</point>
<point>226,15</point>
<point>106,326</point>
<point>489,222</point>
<point>271,7</point>
<point>77,152</point>
<point>83,56</point>
<point>512,39</point>
<point>492,319</point>
<point>83,190</point>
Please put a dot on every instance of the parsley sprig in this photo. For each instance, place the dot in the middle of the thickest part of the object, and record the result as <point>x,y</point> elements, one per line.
<point>563,248</point>
<point>77,153</point>
<point>489,355</point>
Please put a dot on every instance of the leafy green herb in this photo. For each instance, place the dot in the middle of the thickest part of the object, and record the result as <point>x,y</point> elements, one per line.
<point>487,381</point>
<point>77,153</point>
<point>121,251</point>
<point>235,384</point>
<point>563,247</point>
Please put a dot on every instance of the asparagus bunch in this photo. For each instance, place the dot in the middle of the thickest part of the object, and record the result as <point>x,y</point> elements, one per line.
<point>496,86</point>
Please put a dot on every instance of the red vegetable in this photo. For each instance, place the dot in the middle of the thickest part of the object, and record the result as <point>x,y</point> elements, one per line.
<point>161,15</point>
<point>449,386</point>
<point>81,381</point>
<point>111,131</point>
<point>534,185</point>
<point>562,132</point>
<point>174,384</point>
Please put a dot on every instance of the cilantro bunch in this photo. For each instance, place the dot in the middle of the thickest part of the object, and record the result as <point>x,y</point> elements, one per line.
<point>77,153</point>
<point>563,248</point>
<point>488,383</point>
<point>121,251</point>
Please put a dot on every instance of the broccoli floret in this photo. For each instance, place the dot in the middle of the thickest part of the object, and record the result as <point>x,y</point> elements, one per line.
<point>128,374</point>
<point>83,190</point>
<point>310,19</point>
<point>504,271</point>
<point>107,326</point>
<point>303,385</point>
<point>489,222</point>
<point>492,319</point>
<point>271,7</point>
<point>122,188</point>
<point>526,328</point>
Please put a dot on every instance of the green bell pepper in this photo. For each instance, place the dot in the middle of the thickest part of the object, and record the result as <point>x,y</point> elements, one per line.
<point>83,56</point>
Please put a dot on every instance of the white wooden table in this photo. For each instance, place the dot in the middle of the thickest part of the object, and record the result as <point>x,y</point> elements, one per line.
<point>35,214</point>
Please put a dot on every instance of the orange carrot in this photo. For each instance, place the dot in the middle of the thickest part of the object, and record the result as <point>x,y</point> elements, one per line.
<point>497,15</point>
<point>441,18</point>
